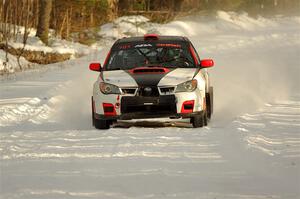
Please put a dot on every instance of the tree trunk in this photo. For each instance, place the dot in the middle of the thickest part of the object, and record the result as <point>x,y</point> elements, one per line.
<point>113,9</point>
<point>35,13</point>
<point>60,33</point>
<point>69,22</point>
<point>6,32</point>
<point>26,32</point>
<point>44,19</point>
<point>177,5</point>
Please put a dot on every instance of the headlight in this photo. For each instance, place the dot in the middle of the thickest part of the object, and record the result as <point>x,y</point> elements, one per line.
<point>109,88</point>
<point>188,86</point>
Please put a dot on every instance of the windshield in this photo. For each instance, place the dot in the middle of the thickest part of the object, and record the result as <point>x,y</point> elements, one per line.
<point>125,57</point>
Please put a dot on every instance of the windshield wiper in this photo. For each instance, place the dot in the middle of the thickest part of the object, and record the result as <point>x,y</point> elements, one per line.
<point>117,68</point>
<point>174,59</point>
<point>143,54</point>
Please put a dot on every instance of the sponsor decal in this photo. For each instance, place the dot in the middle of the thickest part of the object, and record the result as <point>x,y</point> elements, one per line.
<point>142,45</point>
<point>122,47</point>
<point>169,45</point>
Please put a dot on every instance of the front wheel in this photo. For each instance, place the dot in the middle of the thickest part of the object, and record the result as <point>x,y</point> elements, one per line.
<point>101,124</point>
<point>209,102</point>
<point>199,120</point>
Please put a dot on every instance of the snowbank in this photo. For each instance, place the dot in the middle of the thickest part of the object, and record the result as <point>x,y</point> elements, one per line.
<point>34,44</point>
<point>12,64</point>
<point>125,26</point>
<point>222,22</point>
<point>55,46</point>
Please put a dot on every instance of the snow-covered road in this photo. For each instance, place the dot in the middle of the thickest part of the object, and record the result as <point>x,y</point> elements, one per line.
<point>250,150</point>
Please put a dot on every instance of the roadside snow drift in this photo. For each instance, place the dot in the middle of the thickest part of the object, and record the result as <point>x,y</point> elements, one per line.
<point>250,150</point>
<point>34,44</point>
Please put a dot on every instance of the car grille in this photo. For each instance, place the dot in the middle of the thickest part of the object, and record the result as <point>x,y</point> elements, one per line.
<point>167,90</point>
<point>128,91</point>
<point>155,105</point>
<point>148,92</point>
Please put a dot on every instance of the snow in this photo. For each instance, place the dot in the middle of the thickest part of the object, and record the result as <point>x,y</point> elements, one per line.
<point>223,22</point>
<point>250,150</point>
<point>125,26</point>
<point>12,64</point>
<point>56,46</point>
<point>34,43</point>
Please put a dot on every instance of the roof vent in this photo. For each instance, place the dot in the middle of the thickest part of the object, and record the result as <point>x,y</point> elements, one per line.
<point>142,70</point>
<point>151,37</point>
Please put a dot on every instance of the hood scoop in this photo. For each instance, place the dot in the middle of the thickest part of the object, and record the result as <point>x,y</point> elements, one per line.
<point>149,70</point>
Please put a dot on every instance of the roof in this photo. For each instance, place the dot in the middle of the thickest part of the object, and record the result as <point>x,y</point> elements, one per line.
<point>160,38</point>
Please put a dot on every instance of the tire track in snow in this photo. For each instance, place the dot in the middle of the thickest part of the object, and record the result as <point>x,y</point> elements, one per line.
<point>18,110</point>
<point>283,117</point>
<point>148,143</point>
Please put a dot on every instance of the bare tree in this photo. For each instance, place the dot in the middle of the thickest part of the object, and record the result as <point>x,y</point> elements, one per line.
<point>26,30</point>
<point>113,9</point>
<point>5,29</point>
<point>44,20</point>
<point>177,5</point>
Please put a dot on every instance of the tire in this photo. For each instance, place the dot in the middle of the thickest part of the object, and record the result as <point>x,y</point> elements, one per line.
<point>100,123</point>
<point>205,118</point>
<point>209,102</point>
<point>93,120</point>
<point>197,121</point>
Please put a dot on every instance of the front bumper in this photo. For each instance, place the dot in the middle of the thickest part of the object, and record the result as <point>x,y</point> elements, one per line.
<point>143,115</point>
<point>142,107</point>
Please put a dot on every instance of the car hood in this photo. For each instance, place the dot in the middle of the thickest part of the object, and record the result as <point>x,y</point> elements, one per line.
<point>120,78</point>
<point>177,76</point>
<point>123,78</point>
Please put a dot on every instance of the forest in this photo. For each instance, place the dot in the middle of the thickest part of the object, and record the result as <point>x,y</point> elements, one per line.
<point>75,16</point>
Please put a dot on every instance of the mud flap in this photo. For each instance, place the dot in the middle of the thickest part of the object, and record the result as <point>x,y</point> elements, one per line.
<point>93,117</point>
<point>210,102</point>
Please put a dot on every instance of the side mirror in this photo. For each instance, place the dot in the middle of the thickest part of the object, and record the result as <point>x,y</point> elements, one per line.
<point>95,67</point>
<point>206,63</point>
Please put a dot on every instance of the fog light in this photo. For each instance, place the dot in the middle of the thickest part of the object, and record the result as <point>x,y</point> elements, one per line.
<point>109,109</point>
<point>187,106</point>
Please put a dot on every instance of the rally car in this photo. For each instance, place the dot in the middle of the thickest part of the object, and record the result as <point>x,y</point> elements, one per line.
<point>152,76</point>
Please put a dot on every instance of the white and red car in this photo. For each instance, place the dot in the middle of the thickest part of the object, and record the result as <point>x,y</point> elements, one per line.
<point>150,77</point>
